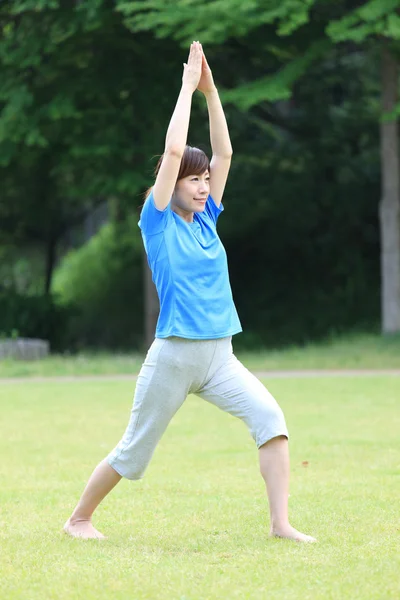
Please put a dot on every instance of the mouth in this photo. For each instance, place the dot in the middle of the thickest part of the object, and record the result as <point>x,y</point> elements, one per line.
<point>200,200</point>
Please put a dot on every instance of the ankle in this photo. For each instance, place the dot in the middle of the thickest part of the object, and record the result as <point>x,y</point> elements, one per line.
<point>279,524</point>
<point>79,519</point>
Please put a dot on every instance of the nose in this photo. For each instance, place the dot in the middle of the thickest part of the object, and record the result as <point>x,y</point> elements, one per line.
<point>203,187</point>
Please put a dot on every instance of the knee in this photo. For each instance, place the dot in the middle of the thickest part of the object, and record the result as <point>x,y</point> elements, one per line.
<point>272,415</point>
<point>278,439</point>
<point>133,475</point>
<point>271,424</point>
<point>129,469</point>
<point>131,472</point>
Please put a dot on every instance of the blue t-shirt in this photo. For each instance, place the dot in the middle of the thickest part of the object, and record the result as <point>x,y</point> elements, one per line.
<point>190,271</point>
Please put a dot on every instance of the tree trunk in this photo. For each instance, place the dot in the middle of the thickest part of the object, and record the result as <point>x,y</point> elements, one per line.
<point>50,262</point>
<point>151,304</point>
<point>389,209</point>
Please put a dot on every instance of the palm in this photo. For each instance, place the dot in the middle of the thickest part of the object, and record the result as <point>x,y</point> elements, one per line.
<point>206,83</point>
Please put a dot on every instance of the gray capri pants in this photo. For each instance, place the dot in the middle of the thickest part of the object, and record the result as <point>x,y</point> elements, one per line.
<point>175,367</point>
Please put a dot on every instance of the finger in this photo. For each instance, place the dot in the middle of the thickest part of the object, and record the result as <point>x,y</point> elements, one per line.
<point>198,53</point>
<point>195,61</point>
<point>195,56</point>
<point>191,59</point>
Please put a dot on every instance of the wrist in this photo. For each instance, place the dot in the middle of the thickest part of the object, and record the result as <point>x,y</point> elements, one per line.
<point>210,93</point>
<point>187,87</point>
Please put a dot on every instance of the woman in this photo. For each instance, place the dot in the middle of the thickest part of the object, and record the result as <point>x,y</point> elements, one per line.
<point>192,352</point>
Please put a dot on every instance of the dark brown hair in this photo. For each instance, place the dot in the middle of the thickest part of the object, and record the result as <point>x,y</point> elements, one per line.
<point>194,162</point>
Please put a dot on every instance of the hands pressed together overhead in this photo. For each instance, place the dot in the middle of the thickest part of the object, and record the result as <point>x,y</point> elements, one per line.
<point>196,73</point>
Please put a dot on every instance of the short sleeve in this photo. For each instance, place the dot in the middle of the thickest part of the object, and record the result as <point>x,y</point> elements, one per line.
<point>212,210</point>
<point>153,220</point>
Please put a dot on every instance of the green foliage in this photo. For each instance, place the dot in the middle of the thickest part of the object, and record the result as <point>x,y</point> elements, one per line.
<point>34,316</point>
<point>376,17</point>
<point>85,102</point>
<point>301,221</point>
<point>216,21</point>
<point>290,39</point>
<point>102,281</point>
<point>213,21</point>
<point>20,6</point>
<point>277,86</point>
<point>75,128</point>
<point>21,270</point>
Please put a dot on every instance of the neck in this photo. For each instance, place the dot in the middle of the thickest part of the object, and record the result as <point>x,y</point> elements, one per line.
<point>184,214</point>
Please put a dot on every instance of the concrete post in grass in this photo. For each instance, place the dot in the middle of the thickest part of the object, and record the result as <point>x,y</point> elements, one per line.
<point>24,349</point>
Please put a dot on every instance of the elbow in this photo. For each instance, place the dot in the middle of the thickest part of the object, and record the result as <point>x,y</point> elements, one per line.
<point>226,154</point>
<point>175,150</point>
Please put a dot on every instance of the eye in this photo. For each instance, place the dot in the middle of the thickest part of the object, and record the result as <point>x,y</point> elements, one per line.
<point>194,179</point>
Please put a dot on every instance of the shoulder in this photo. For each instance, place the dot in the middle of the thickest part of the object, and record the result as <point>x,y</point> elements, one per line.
<point>152,219</point>
<point>211,210</point>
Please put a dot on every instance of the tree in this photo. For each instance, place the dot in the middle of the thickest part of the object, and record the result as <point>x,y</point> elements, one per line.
<point>75,129</point>
<point>308,29</point>
<point>85,102</point>
<point>390,200</point>
<point>376,26</point>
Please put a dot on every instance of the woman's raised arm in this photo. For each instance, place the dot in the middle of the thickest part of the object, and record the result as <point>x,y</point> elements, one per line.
<point>177,131</point>
<point>219,134</point>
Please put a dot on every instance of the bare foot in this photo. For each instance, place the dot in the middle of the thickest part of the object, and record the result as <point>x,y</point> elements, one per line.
<point>291,533</point>
<point>82,529</point>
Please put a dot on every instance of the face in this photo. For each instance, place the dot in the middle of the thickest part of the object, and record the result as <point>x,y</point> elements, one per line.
<point>190,195</point>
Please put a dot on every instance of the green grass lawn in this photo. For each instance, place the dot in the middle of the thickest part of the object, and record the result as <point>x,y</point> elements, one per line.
<point>196,527</point>
<point>350,352</point>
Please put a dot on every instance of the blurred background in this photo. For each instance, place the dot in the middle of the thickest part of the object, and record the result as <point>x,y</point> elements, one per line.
<point>311,225</point>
